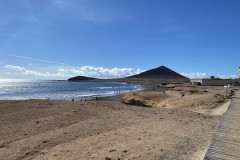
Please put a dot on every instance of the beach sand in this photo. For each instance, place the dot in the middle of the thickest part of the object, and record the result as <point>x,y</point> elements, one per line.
<point>46,129</point>
<point>189,98</point>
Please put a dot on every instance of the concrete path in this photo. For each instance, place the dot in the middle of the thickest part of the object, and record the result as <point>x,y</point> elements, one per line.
<point>226,142</point>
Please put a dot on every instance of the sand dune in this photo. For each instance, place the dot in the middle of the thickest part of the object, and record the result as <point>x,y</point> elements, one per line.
<point>179,97</point>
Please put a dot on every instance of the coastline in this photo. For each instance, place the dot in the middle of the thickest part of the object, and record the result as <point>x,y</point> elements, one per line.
<point>61,90</point>
<point>107,128</point>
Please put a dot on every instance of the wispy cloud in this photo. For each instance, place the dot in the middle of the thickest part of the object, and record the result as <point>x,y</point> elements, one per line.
<point>22,71</point>
<point>227,76</point>
<point>195,75</point>
<point>205,75</point>
<point>39,60</point>
<point>67,72</point>
<point>14,67</point>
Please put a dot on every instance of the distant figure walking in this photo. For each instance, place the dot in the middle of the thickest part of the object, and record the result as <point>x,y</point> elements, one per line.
<point>73,99</point>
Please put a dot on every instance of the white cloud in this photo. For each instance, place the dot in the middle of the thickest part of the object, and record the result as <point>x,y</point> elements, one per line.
<point>67,72</point>
<point>24,71</point>
<point>227,76</point>
<point>100,72</point>
<point>195,75</point>
<point>14,67</point>
<point>204,75</point>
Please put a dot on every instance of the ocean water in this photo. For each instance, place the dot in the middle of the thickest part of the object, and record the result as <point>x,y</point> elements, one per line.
<point>59,90</point>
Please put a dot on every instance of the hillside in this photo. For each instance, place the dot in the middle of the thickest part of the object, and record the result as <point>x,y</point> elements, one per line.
<point>161,72</point>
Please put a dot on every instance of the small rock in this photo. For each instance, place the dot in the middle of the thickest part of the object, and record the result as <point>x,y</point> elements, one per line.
<point>44,141</point>
<point>37,122</point>
<point>112,150</point>
<point>107,158</point>
<point>2,145</point>
<point>125,151</point>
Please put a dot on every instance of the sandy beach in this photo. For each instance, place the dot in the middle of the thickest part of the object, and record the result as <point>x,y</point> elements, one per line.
<point>46,129</point>
<point>119,80</point>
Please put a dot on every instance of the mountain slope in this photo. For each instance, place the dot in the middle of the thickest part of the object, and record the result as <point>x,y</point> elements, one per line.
<point>160,72</point>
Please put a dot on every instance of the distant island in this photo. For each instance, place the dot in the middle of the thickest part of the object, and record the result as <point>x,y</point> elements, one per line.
<point>81,78</point>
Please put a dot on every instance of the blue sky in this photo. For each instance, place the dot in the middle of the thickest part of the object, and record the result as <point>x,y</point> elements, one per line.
<point>58,39</point>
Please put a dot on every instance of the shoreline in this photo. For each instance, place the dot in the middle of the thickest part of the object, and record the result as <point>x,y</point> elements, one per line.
<point>67,90</point>
<point>107,128</point>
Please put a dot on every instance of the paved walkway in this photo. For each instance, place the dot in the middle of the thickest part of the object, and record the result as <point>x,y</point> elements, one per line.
<point>226,142</point>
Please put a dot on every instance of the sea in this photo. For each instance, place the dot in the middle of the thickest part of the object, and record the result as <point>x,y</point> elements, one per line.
<point>60,90</point>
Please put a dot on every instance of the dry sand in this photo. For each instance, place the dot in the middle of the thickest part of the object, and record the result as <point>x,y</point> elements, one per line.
<point>46,129</point>
<point>188,98</point>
